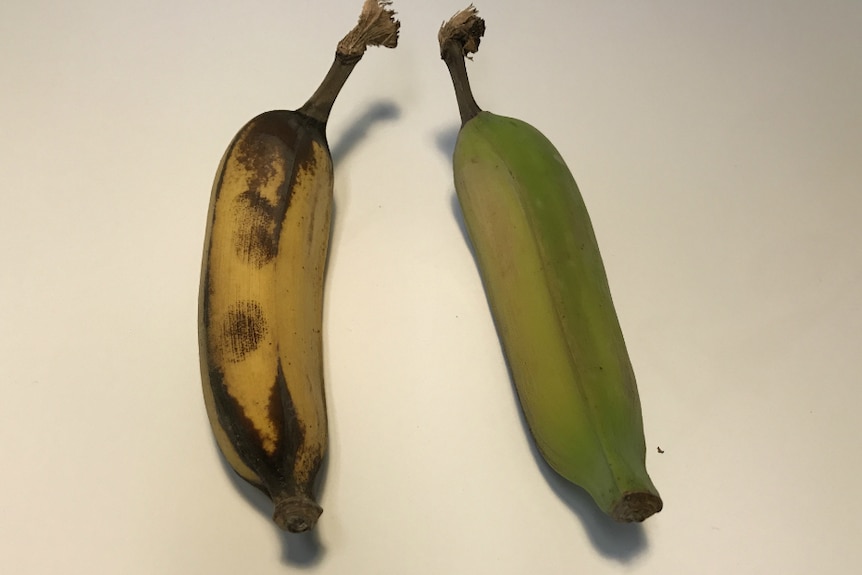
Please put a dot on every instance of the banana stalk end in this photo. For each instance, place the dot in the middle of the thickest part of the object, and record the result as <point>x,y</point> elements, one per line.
<point>377,26</point>
<point>635,507</point>
<point>296,513</point>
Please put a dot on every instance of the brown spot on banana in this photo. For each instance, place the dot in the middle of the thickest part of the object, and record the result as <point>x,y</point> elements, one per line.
<point>275,461</point>
<point>287,473</point>
<point>263,162</point>
<point>293,430</point>
<point>263,159</point>
<point>243,328</point>
<point>255,237</point>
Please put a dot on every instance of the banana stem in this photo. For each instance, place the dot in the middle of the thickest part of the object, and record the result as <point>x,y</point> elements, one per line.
<point>459,37</point>
<point>320,104</point>
<point>453,55</point>
<point>377,26</point>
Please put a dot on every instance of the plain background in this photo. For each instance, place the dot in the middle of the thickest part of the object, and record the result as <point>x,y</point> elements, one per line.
<point>717,145</point>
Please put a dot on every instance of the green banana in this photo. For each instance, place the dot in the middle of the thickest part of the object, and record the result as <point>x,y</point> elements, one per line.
<point>261,291</point>
<point>548,293</point>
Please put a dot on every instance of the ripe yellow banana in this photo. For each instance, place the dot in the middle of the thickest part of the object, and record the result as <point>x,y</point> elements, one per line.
<point>548,293</point>
<point>261,291</point>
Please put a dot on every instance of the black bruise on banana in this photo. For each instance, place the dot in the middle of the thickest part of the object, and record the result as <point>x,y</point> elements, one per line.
<point>258,218</point>
<point>255,235</point>
<point>276,137</point>
<point>243,328</point>
<point>272,468</point>
<point>292,431</point>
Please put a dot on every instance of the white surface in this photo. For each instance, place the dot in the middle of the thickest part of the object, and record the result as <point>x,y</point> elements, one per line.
<point>717,145</point>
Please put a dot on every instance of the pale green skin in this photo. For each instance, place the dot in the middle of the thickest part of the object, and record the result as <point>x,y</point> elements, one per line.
<point>549,296</point>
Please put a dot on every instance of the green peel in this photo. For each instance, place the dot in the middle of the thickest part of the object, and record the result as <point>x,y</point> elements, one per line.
<point>548,292</point>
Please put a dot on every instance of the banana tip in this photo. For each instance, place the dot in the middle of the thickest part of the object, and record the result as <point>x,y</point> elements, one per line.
<point>636,506</point>
<point>296,514</point>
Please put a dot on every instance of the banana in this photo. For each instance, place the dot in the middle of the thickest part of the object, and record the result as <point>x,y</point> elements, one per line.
<point>548,293</point>
<point>262,285</point>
